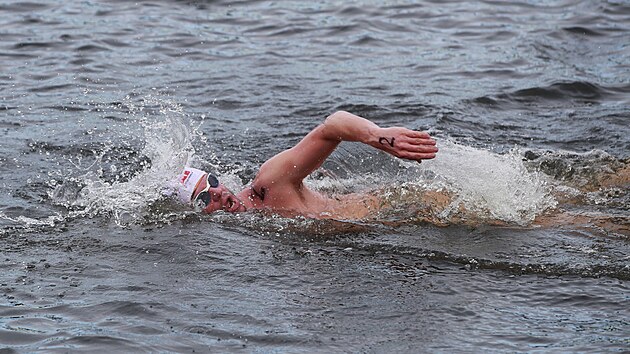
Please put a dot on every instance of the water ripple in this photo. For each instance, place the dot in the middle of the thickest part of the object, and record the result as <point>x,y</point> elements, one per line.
<point>544,84</point>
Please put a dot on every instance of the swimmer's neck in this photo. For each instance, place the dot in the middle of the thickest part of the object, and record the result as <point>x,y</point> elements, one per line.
<point>250,199</point>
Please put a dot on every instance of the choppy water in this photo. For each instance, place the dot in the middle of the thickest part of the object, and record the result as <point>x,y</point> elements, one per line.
<point>101,103</point>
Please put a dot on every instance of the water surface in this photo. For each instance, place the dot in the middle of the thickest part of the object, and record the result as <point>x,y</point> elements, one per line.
<point>102,102</point>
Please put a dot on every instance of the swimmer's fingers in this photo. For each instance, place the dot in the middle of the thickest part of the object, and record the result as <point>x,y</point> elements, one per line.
<point>421,149</point>
<point>417,135</point>
<point>417,146</point>
<point>409,151</point>
<point>417,138</point>
<point>415,156</point>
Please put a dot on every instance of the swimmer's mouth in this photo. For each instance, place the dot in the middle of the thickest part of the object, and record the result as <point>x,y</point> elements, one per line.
<point>232,205</point>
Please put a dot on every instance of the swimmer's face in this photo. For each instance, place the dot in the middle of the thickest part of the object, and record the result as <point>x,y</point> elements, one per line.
<point>219,198</point>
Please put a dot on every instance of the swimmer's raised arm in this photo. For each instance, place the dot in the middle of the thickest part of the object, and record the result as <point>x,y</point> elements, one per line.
<point>294,164</point>
<point>398,141</point>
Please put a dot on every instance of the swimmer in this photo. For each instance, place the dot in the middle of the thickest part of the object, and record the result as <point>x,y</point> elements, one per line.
<point>279,184</point>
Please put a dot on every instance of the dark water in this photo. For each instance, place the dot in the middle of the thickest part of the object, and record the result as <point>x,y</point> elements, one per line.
<point>102,102</point>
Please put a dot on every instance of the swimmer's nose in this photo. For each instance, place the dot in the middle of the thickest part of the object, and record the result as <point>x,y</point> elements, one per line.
<point>216,196</point>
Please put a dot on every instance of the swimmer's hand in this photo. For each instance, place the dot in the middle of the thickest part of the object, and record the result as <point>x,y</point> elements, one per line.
<point>404,143</point>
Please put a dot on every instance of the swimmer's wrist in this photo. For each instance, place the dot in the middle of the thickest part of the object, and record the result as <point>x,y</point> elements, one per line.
<point>372,136</point>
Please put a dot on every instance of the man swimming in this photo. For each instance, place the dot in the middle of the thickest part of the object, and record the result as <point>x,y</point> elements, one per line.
<point>279,185</point>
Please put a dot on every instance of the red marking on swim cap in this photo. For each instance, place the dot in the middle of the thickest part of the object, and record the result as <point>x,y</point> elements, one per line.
<point>186,175</point>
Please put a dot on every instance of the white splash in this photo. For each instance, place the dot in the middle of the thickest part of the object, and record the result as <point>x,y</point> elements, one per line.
<point>489,185</point>
<point>477,184</point>
<point>49,221</point>
<point>168,140</point>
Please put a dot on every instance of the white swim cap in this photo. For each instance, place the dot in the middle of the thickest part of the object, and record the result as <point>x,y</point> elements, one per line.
<point>187,182</point>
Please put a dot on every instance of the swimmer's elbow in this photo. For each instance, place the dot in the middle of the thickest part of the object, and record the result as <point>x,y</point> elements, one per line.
<point>336,118</point>
<point>331,128</point>
<point>339,126</point>
<point>345,126</point>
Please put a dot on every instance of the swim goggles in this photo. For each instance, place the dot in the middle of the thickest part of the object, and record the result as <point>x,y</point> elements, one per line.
<point>205,197</point>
